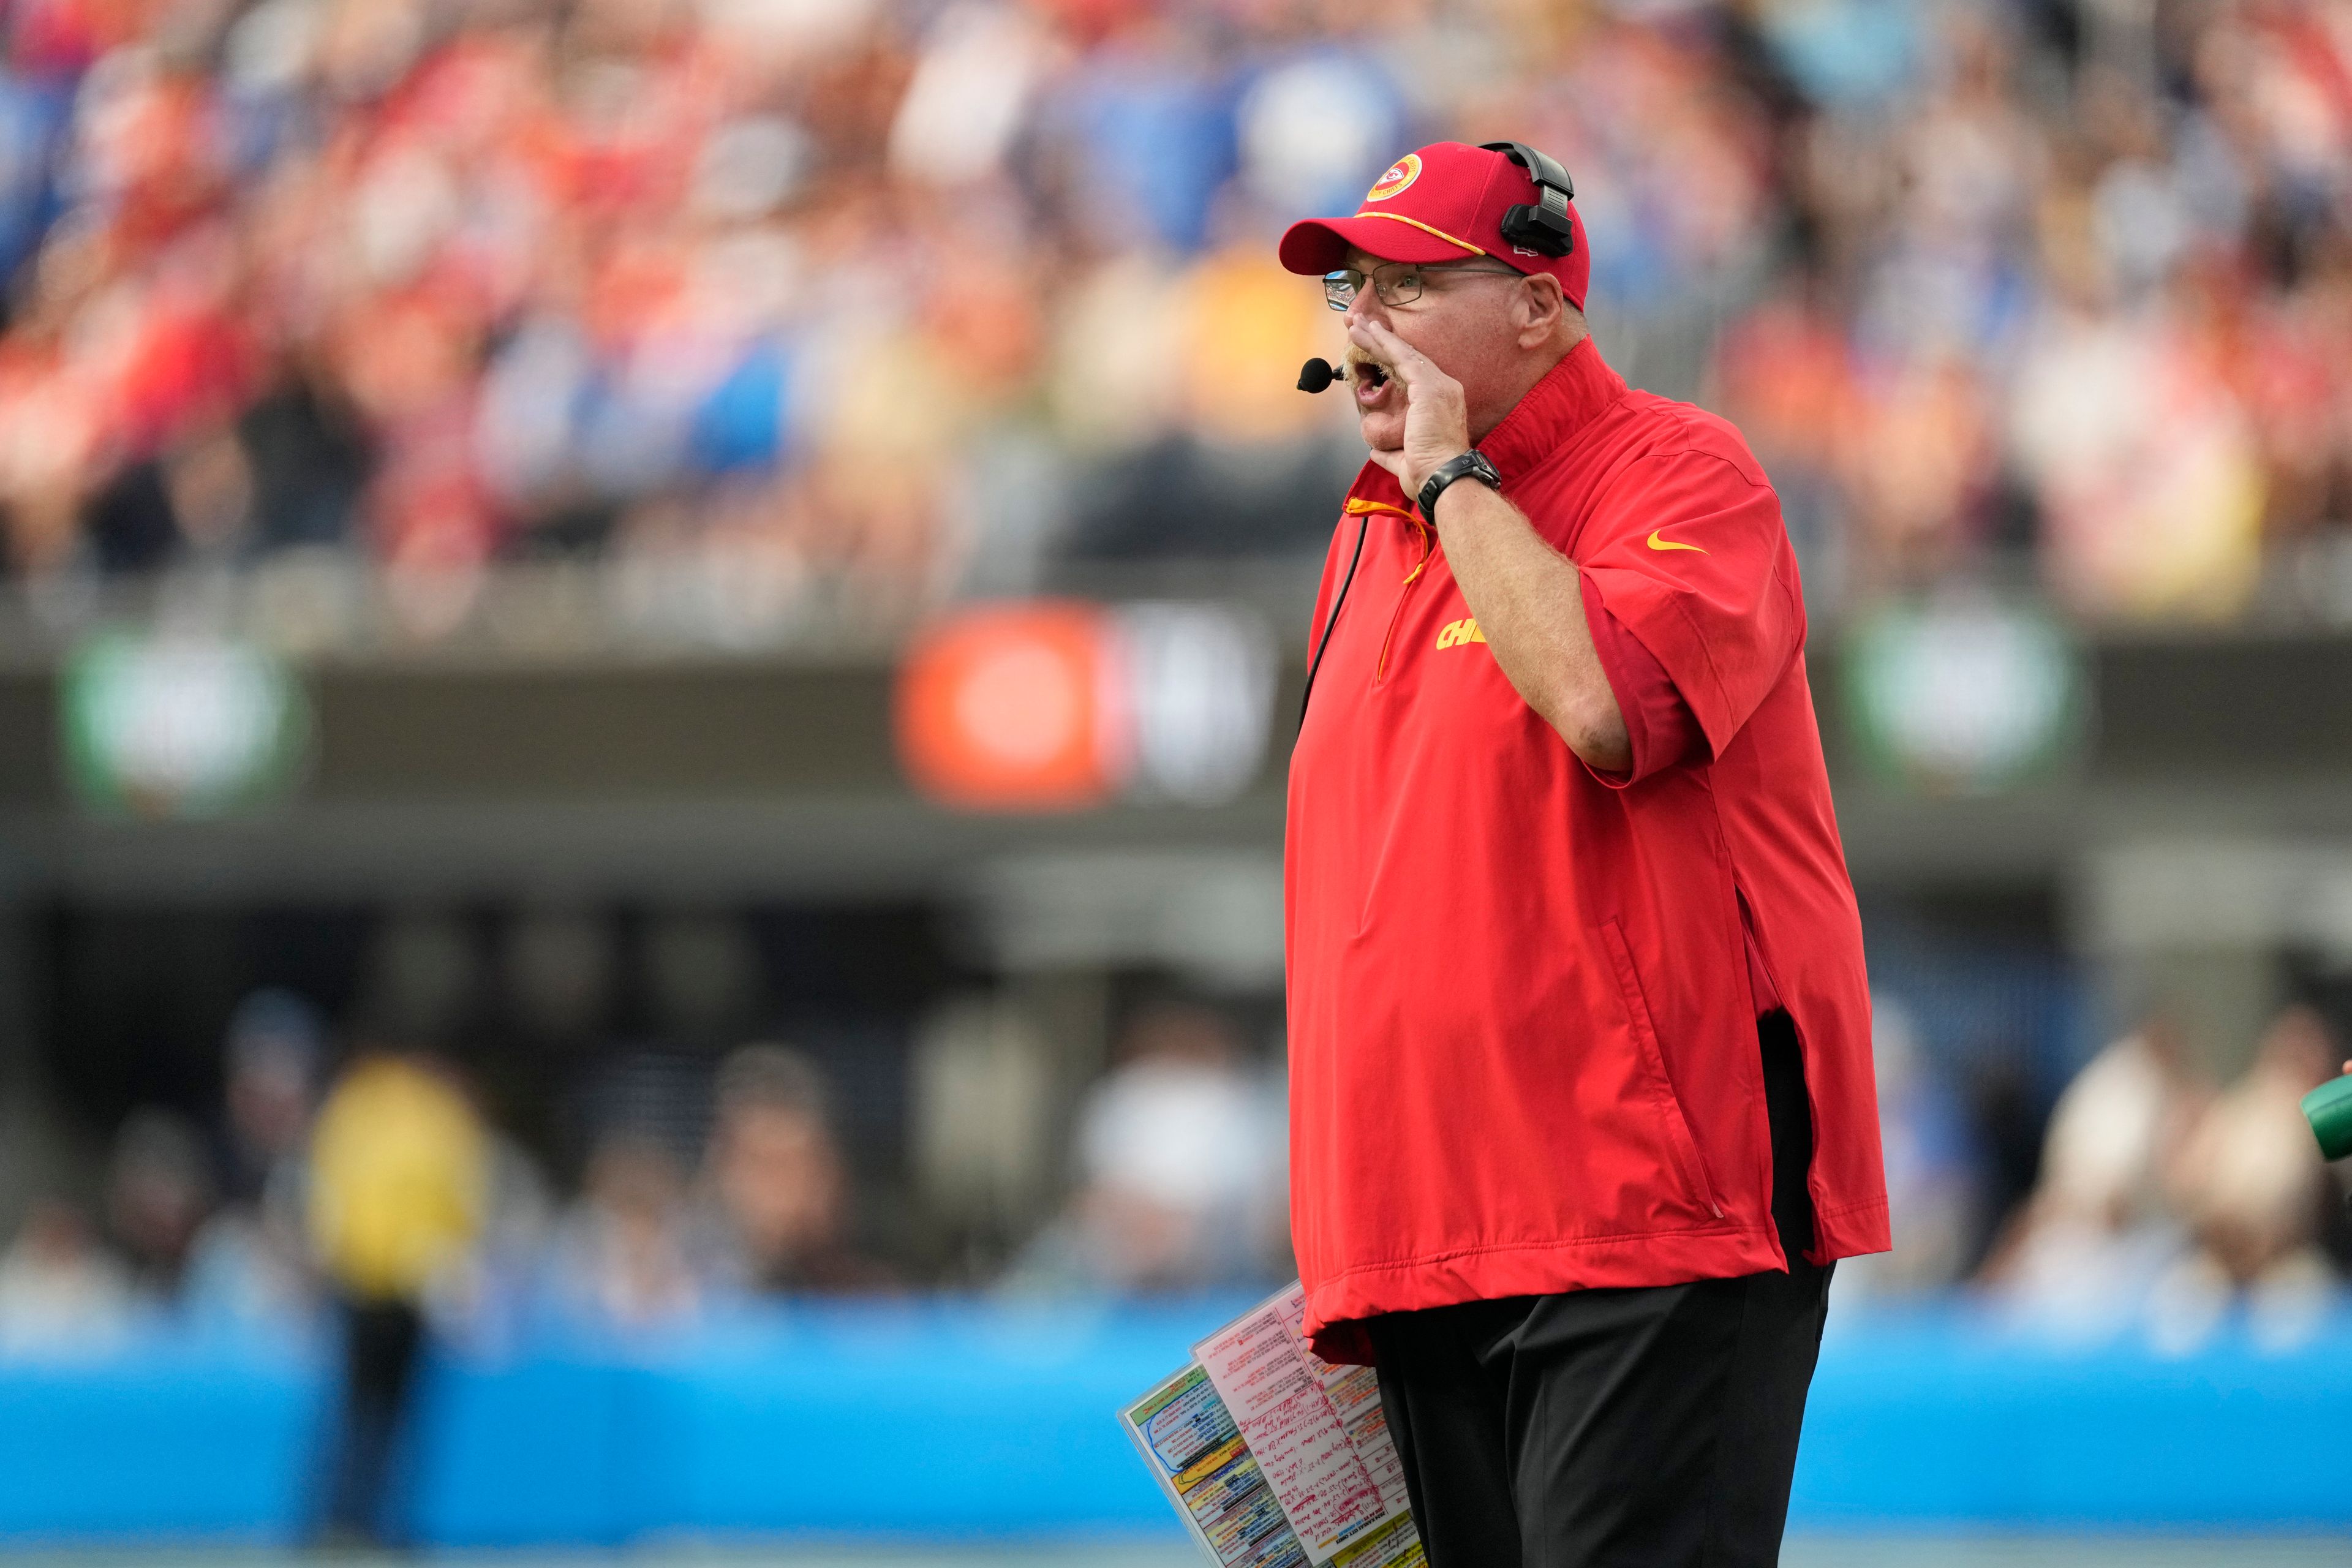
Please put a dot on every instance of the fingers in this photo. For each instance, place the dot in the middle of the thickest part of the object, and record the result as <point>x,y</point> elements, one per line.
<point>1408,362</point>
<point>1374,338</point>
<point>1387,334</point>
<point>1424,384</point>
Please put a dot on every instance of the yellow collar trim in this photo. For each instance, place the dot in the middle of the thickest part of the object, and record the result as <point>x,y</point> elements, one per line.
<point>1426,228</point>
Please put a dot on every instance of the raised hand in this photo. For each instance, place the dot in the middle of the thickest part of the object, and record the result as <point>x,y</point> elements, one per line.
<point>1436,414</point>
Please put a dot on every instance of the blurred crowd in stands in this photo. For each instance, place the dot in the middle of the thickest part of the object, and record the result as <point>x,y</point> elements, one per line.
<point>372,1188</point>
<point>386,1182</point>
<point>913,294</point>
<point>2161,1203</point>
<point>2166,1199</point>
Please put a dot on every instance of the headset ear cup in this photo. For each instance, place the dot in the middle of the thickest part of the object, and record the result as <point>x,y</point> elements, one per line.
<point>1525,226</point>
<point>1545,228</point>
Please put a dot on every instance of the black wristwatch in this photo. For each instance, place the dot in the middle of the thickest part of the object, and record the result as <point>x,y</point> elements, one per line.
<point>1471,464</point>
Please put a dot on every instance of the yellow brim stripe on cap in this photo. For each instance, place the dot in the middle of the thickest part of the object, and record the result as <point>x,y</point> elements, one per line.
<point>1426,228</point>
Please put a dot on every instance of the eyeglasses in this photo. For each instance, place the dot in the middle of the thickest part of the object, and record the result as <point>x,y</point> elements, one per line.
<point>1399,282</point>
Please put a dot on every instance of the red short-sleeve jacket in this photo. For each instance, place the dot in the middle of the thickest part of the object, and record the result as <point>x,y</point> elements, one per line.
<point>1522,1014</point>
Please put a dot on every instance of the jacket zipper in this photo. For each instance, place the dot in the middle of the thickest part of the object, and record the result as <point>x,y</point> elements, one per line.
<point>1381,669</point>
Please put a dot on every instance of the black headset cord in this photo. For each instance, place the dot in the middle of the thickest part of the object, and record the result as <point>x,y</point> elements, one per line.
<point>1362,525</point>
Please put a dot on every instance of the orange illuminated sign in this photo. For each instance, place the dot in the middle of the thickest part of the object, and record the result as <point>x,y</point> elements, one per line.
<point>1014,708</point>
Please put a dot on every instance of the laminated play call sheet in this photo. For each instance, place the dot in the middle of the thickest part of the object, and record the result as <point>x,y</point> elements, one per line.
<point>1273,1457</point>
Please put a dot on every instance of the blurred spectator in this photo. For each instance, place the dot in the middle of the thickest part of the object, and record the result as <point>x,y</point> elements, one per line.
<point>59,1289</point>
<point>251,1260</point>
<point>159,1192</point>
<point>2144,465</point>
<point>271,1066</point>
<point>479,1303</point>
<point>620,1255</point>
<point>775,1172</point>
<point>400,1191</point>
<point>2251,1183</point>
<point>2090,1243</point>
<point>1181,1155</point>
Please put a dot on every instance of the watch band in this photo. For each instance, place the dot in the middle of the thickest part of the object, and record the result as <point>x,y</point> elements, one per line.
<point>1471,464</point>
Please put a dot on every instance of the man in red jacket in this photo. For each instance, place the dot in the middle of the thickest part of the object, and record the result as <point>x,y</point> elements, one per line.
<point>1581,1104</point>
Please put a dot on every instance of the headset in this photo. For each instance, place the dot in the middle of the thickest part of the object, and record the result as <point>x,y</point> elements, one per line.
<point>1363,525</point>
<point>1543,226</point>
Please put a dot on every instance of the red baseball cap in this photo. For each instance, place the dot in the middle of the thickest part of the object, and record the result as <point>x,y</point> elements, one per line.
<point>1440,203</point>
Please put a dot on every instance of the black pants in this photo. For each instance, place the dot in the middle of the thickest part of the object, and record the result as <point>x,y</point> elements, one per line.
<point>1654,1427</point>
<point>380,1346</point>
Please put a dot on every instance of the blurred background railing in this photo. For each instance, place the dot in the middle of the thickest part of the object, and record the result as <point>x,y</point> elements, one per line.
<point>647,651</point>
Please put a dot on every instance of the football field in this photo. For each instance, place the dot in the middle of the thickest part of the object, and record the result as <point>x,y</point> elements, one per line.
<point>1841,1552</point>
<point>1801,1553</point>
<point>1816,1553</point>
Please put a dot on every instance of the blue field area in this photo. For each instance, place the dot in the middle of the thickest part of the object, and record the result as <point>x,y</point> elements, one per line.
<point>963,1423</point>
<point>1873,1551</point>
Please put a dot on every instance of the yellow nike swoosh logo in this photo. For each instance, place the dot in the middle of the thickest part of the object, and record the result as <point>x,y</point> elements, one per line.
<point>1657,543</point>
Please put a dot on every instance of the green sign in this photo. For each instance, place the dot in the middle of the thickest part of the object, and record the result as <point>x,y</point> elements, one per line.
<point>179,726</point>
<point>1965,697</point>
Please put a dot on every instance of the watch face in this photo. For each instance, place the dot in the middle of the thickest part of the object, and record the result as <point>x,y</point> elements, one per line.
<point>1452,469</point>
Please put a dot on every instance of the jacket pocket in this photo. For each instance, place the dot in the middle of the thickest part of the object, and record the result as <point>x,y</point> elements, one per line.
<point>1681,1147</point>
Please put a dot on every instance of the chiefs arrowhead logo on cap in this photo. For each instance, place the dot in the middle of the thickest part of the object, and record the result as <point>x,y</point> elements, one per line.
<point>1402,173</point>
<point>1439,203</point>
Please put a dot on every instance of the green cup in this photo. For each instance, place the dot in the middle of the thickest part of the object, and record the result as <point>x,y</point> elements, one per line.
<point>2328,1108</point>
